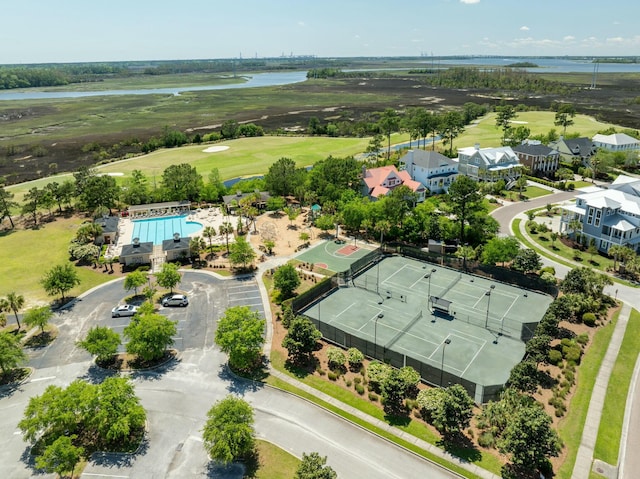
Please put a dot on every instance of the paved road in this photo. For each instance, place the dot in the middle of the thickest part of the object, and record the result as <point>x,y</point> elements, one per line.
<point>177,398</point>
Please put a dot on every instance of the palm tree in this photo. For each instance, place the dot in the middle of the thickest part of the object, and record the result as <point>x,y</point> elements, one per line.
<point>209,232</point>
<point>226,229</point>
<point>4,306</point>
<point>383,226</point>
<point>16,302</point>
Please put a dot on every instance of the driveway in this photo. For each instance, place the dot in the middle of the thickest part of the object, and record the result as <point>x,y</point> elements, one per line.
<point>178,396</point>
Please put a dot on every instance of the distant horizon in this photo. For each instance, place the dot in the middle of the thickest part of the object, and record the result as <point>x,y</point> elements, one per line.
<point>364,57</point>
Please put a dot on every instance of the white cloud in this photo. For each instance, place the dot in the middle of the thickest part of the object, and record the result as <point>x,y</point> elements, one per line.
<point>302,24</point>
<point>524,28</point>
<point>569,38</point>
<point>469,2</point>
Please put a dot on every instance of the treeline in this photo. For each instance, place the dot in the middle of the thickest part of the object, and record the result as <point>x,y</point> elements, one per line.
<point>338,73</point>
<point>496,79</point>
<point>42,76</point>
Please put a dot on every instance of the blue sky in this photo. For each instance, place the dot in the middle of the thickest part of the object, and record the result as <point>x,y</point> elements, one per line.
<point>36,31</point>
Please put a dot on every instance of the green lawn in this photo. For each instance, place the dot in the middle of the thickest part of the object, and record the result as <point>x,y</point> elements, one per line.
<point>608,442</point>
<point>274,462</point>
<point>571,426</point>
<point>25,255</point>
<point>531,192</point>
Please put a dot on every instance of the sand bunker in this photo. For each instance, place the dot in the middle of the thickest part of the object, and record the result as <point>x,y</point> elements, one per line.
<point>215,149</point>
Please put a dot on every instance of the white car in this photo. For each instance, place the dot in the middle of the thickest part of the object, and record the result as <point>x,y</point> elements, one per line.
<point>124,310</point>
<point>175,300</point>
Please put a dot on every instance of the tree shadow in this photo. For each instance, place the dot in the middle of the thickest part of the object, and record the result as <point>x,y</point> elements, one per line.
<point>238,384</point>
<point>546,380</point>
<point>11,381</point>
<point>120,459</point>
<point>235,470</point>
<point>40,340</point>
<point>97,374</point>
<point>397,418</point>
<point>460,446</point>
<point>302,370</point>
<point>154,371</point>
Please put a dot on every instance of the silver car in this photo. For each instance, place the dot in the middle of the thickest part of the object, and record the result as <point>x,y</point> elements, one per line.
<point>124,310</point>
<point>175,300</point>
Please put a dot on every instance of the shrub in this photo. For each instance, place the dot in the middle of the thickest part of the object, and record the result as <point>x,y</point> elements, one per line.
<point>355,358</point>
<point>573,354</point>
<point>555,357</point>
<point>373,397</point>
<point>348,383</point>
<point>486,439</point>
<point>357,380</point>
<point>548,278</point>
<point>377,373</point>
<point>589,319</point>
<point>533,226</point>
<point>583,338</point>
<point>336,357</point>
<point>332,376</point>
<point>359,389</point>
<point>548,269</point>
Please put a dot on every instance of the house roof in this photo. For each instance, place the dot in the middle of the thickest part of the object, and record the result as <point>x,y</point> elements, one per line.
<point>535,149</point>
<point>264,196</point>
<point>490,156</point>
<point>137,249</point>
<point>427,159</point>
<point>582,147</point>
<point>616,139</point>
<point>375,177</point>
<point>167,204</point>
<point>620,222</point>
<point>623,194</point>
<point>109,224</point>
<point>173,244</point>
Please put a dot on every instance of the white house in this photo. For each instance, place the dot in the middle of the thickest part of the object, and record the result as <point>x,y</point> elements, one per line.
<point>489,164</point>
<point>616,142</point>
<point>607,216</point>
<point>432,169</point>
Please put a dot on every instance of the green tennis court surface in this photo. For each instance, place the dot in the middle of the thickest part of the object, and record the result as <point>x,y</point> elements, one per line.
<point>336,256</point>
<point>476,340</point>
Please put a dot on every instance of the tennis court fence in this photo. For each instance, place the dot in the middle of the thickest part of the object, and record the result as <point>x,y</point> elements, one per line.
<point>430,373</point>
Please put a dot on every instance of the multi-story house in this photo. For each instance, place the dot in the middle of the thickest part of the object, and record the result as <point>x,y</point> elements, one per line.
<point>538,158</point>
<point>381,181</point>
<point>606,216</point>
<point>617,142</point>
<point>489,164</point>
<point>575,150</point>
<point>432,169</point>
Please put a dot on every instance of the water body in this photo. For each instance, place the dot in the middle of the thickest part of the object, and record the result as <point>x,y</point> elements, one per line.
<point>546,64</point>
<point>254,81</point>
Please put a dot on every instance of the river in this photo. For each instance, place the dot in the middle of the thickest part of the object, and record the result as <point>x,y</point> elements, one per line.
<point>253,81</point>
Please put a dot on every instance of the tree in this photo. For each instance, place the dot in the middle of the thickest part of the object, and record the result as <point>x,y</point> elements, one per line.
<point>229,129</point>
<point>465,199</point>
<point>135,279</point>
<point>524,377</point>
<point>105,415</point>
<point>389,123</point>
<point>393,389</point>
<point>301,339</point>
<point>196,247</point>
<point>286,280</point>
<point>168,276</point>
<point>585,281</point>
<point>564,116</point>
<point>209,232</point>
<point>11,353</point>
<point>149,335</point>
<point>101,342</point>
<point>527,260</point>
<point>454,410</point>
<point>241,252</point>
<point>504,115</point>
<point>538,347</point>
<point>530,438</point>
<point>283,177</point>
<point>313,466</point>
<point>450,126</point>
<point>374,147</point>
<point>60,279</point>
<point>15,302</point>
<point>181,182</point>
<point>33,200</point>
<point>355,357</point>
<point>521,184</point>
<point>100,191</point>
<point>228,434</point>
<point>136,189</point>
<point>60,456</point>
<point>500,250</point>
<point>6,203</point>
<point>226,229</point>
<point>240,334</point>
<point>38,317</point>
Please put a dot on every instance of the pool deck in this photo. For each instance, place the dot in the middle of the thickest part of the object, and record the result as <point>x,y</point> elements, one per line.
<point>207,216</point>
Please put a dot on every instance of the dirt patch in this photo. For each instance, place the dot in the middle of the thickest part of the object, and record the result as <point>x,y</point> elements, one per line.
<point>285,233</point>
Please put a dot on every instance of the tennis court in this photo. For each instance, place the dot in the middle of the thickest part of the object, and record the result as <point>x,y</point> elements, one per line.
<point>334,256</point>
<point>450,326</point>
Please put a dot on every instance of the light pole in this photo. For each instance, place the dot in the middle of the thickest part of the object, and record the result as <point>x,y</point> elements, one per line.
<point>488,295</point>
<point>428,276</point>
<point>444,345</point>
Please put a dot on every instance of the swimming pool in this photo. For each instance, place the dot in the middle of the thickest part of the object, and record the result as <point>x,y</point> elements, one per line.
<point>156,230</point>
